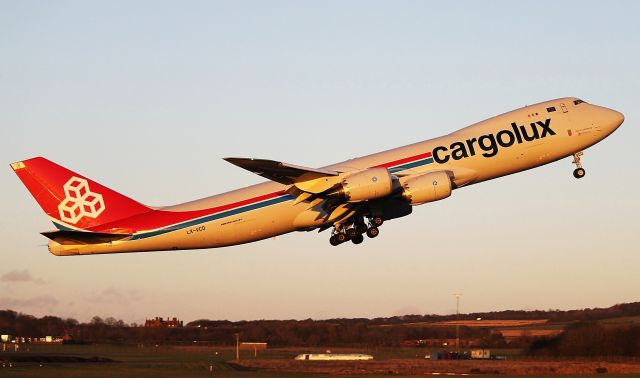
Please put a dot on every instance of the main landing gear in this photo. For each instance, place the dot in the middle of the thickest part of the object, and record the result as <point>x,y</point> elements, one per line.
<point>579,172</point>
<point>355,232</point>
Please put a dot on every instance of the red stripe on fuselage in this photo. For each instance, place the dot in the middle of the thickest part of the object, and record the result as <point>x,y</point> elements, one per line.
<point>156,219</point>
<point>403,161</point>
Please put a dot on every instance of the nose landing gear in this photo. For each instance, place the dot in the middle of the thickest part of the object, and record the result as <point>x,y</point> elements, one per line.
<point>579,172</point>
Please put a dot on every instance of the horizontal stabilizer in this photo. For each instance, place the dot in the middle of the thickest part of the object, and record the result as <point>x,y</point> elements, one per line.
<point>83,237</point>
<point>283,173</point>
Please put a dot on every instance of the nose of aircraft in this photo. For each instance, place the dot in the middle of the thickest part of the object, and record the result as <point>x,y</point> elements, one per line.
<point>612,119</point>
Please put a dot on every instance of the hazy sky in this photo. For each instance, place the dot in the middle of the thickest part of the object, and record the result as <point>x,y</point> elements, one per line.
<point>147,97</point>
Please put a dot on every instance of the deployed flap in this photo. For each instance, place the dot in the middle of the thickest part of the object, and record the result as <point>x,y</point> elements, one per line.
<point>83,237</point>
<point>281,172</point>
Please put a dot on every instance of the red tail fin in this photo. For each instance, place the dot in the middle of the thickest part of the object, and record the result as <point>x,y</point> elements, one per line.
<point>73,200</point>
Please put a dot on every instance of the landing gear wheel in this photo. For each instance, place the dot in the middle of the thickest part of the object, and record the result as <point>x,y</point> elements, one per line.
<point>341,238</point>
<point>373,232</point>
<point>377,221</point>
<point>351,233</point>
<point>357,239</point>
<point>579,171</point>
<point>334,240</point>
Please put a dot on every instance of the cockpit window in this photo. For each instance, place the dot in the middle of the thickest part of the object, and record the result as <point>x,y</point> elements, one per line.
<point>578,101</point>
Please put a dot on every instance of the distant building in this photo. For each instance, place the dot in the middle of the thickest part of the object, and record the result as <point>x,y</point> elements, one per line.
<point>438,342</point>
<point>480,354</point>
<point>447,356</point>
<point>159,322</point>
<point>45,340</point>
<point>252,346</point>
<point>255,347</point>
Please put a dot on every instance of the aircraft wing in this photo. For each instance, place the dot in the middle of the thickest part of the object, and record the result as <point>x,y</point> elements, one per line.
<point>283,173</point>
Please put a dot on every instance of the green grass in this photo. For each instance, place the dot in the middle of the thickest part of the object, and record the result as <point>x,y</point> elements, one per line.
<point>625,320</point>
<point>151,361</point>
<point>554,326</point>
<point>132,361</point>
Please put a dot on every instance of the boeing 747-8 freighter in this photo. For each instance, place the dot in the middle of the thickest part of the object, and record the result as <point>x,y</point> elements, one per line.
<point>353,198</point>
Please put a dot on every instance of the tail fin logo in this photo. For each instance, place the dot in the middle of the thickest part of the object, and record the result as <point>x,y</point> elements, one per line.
<point>79,201</point>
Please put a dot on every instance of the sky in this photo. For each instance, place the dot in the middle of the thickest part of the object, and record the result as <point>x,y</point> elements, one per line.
<point>147,97</point>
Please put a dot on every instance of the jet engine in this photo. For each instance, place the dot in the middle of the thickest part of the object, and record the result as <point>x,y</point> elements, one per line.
<point>366,185</point>
<point>425,188</point>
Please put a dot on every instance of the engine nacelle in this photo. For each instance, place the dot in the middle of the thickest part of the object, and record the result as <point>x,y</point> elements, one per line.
<point>366,185</point>
<point>425,188</point>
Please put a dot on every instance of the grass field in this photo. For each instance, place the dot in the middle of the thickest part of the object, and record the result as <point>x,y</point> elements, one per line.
<point>131,361</point>
<point>151,361</point>
<point>490,323</point>
<point>472,323</point>
<point>626,320</point>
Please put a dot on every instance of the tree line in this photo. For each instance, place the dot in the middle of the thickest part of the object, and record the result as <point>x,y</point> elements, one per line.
<point>585,337</point>
<point>278,333</point>
<point>590,339</point>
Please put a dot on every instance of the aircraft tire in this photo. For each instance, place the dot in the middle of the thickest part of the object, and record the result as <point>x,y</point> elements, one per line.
<point>357,239</point>
<point>373,232</point>
<point>334,240</point>
<point>351,233</point>
<point>341,238</point>
<point>377,221</point>
<point>579,173</point>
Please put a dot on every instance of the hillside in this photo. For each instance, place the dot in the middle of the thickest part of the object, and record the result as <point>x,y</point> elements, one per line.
<point>540,330</point>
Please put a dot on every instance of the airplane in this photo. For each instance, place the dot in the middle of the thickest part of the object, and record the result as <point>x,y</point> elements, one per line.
<point>353,198</point>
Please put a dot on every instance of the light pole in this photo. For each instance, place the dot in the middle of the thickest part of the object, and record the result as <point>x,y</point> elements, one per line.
<point>237,335</point>
<point>457,295</point>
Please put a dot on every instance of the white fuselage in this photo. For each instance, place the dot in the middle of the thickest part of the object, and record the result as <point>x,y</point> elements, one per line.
<point>471,154</point>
